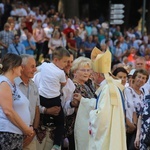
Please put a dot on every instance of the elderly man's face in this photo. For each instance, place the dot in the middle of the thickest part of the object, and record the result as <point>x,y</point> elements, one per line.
<point>29,69</point>
<point>140,64</point>
<point>97,77</point>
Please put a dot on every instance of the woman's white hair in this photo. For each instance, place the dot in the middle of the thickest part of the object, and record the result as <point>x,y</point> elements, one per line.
<point>81,62</point>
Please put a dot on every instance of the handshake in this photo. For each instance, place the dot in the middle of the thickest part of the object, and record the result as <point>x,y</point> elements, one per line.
<point>76,99</point>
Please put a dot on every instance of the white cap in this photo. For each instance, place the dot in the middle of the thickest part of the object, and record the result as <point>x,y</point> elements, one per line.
<point>131,72</point>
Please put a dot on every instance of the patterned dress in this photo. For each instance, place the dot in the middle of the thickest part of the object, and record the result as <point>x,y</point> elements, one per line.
<point>145,124</point>
<point>85,91</point>
<point>133,103</point>
<point>134,99</point>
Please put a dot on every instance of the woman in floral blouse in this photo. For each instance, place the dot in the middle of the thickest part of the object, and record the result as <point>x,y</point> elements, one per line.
<point>134,96</point>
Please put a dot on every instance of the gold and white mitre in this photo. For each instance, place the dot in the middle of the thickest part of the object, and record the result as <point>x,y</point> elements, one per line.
<point>95,52</point>
<point>102,64</point>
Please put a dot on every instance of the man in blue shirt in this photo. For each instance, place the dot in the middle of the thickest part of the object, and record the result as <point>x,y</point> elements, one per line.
<point>29,43</point>
<point>16,47</point>
<point>88,46</point>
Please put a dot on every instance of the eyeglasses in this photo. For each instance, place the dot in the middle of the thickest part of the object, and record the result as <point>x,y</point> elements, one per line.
<point>85,70</point>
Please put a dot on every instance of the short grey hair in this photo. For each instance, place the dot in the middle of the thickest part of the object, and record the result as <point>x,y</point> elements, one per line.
<point>79,62</point>
<point>25,58</point>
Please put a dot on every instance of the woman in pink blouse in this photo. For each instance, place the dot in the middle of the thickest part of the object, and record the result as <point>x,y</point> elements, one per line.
<point>39,36</point>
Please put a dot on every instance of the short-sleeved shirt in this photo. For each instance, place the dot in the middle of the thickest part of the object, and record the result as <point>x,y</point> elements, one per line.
<point>6,37</point>
<point>26,44</point>
<point>89,45</point>
<point>31,92</point>
<point>55,43</point>
<point>133,101</point>
<point>51,77</point>
<point>17,49</point>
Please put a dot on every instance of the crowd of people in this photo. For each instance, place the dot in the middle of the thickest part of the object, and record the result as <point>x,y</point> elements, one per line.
<point>70,83</point>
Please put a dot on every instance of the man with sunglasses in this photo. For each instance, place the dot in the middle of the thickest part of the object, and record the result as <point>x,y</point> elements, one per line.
<point>16,47</point>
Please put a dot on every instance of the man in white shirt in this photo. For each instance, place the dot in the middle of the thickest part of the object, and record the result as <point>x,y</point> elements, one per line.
<point>21,11</point>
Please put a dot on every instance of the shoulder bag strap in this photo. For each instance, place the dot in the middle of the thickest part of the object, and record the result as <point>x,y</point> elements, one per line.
<point>16,49</point>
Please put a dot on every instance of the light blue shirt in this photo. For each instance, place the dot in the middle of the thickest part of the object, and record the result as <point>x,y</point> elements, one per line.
<point>17,49</point>
<point>21,107</point>
<point>26,44</point>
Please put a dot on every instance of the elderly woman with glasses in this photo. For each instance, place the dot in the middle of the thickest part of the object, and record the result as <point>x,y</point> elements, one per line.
<point>81,70</point>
